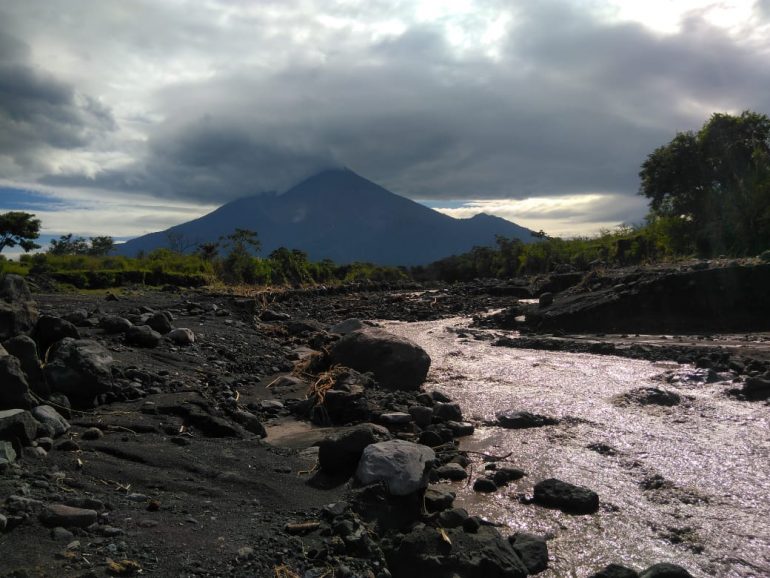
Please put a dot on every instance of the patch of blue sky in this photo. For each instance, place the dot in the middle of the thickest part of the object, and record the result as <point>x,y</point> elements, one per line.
<point>432,204</point>
<point>12,199</point>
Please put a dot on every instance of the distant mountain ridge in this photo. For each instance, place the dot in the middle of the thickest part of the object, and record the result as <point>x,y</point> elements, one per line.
<point>344,217</point>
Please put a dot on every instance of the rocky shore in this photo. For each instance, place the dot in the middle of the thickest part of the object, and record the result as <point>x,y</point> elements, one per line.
<point>182,433</point>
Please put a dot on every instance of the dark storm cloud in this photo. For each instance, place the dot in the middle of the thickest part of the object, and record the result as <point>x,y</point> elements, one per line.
<point>566,103</point>
<point>38,112</point>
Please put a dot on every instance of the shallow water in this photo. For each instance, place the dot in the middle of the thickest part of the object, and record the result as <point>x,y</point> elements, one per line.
<point>688,484</point>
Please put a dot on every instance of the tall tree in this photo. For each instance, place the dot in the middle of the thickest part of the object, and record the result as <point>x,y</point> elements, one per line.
<point>713,187</point>
<point>19,228</point>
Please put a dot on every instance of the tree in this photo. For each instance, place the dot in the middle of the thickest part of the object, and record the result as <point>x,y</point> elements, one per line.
<point>101,246</point>
<point>69,245</point>
<point>238,265</point>
<point>711,189</point>
<point>19,228</point>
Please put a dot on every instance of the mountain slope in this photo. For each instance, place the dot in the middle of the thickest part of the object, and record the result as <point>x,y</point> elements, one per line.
<point>342,216</point>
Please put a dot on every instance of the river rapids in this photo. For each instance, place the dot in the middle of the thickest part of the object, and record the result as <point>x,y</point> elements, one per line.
<point>686,483</point>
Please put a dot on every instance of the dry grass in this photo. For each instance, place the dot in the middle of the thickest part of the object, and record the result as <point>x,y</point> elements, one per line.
<point>283,571</point>
<point>326,381</point>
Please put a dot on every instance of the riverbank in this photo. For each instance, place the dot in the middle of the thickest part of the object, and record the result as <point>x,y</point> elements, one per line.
<point>175,453</point>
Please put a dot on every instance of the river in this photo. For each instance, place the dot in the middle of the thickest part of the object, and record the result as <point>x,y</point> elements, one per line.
<point>688,484</point>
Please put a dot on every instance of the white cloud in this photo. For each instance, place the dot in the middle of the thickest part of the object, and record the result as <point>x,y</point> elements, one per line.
<point>563,216</point>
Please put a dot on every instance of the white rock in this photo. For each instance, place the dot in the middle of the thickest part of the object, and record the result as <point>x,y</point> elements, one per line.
<point>403,466</point>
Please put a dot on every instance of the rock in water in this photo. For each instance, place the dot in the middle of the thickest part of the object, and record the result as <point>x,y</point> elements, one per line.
<point>665,570</point>
<point>79,368</point>
<point>427,552</point>
<point>396,362</point>
<point>17,310</point>
<point>513,419</point>
<point>615,571</point>
<point>566,497</point>
<point>403,466</point>
<point>533,551</point>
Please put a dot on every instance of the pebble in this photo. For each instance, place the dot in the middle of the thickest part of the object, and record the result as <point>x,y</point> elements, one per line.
<point>92,433</point>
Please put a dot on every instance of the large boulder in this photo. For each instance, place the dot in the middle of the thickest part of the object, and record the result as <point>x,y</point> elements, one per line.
<point>14,388</point>
<point>340,452</point>
<point>553,493</point>
<point>396,362</point>
<point>17,310</point>
<point>143,336</point>
<point>402,466</point>
<point>79,368</point>
<point>50,329</point>
<point>24,348</point>
<point>427,552</point>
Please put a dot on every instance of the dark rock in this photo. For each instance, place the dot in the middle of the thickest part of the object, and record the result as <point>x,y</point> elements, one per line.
<point>181,336</point>
<point>502,476</point>
<point>450,471</point>
<point>18,426</point>
<point>437,501</point>
<point>340,452</point>
<point>460,428</point>
<point>17,311</point>
<point>422,415</point>
<point>14,389</point>
<point>47,415</point>
<point>453,518</point>
<point>447,412</point>
<point>347,326</point>
<point>24,348</point>
<point>553,493</point>
<point>50,329</point>
<point>532,550</point>
<point>395,418</point>
<point>545,299</point>
<point>92,433</point>
<point>79,368</point>
<point>396,362</point>
<point>160,322</point>
<point>270,315</point>
<point>430,438</point>
<point>513,419</point>
<point>484,485</point>
<point>426,552</point>
<point>756,387</point>
<point>7,455</point>
<point>250,422</point>
<point>115,324</point>
<point>665,570</point>
<point>649,396</point>
<point>143,336</point>
<point>615,571</point>
<point>66,516</point>
<point>402,466</point>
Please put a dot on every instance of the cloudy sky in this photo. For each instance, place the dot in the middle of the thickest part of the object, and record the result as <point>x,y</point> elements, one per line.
<point>121,117</point>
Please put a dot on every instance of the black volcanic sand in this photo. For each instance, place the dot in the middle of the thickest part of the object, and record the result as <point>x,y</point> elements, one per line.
<point>178,501</point>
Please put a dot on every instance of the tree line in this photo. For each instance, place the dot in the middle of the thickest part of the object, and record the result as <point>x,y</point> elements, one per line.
<point>708,193</point>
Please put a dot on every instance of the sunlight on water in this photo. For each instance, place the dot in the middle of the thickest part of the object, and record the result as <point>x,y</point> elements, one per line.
<point>688,484</point>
